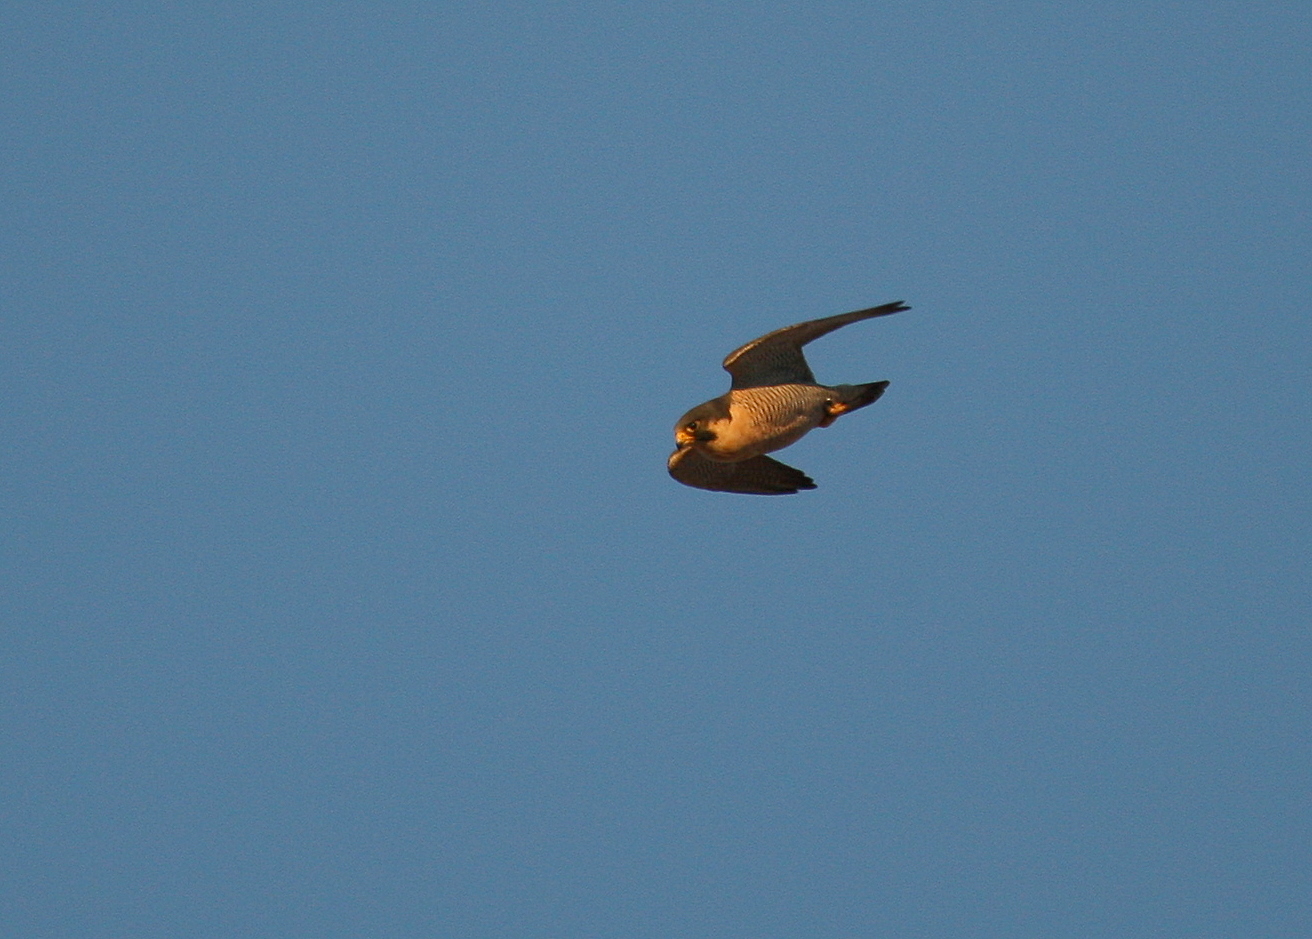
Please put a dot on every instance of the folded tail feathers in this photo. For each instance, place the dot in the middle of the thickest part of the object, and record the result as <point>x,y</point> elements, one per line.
<point>850,398</point>
<point>858,396</point>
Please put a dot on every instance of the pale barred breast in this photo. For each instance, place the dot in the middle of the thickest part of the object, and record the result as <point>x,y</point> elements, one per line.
<point>772,417</point>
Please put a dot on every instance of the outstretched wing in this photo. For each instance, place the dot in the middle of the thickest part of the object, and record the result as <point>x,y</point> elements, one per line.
<point>760,475</point>
<point>776,358</point>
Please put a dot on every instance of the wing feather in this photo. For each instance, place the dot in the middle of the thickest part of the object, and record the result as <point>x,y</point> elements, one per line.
<point>760,475</point>
<point>776,358</point>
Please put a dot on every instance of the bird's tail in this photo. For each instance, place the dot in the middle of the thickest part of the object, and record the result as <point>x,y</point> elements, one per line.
<point>852,398</point>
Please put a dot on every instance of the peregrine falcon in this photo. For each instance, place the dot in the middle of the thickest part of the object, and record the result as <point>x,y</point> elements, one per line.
<point>773,401</point>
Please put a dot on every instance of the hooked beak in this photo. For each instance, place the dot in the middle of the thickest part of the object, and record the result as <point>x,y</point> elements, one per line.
<point>686,438</point>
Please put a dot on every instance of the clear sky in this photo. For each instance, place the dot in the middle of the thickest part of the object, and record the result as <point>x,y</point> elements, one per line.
<point>344,592</point>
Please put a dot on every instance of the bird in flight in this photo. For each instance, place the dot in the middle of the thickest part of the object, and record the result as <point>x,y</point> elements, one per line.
<point>773,401</point>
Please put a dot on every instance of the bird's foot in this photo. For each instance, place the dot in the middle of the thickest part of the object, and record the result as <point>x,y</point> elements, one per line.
<point>833,411</point>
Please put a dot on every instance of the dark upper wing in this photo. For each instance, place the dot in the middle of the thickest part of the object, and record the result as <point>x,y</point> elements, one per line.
<point>760,475</point>
<point>776,358</point>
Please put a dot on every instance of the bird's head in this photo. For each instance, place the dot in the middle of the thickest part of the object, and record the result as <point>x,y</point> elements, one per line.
<point>699,425</point>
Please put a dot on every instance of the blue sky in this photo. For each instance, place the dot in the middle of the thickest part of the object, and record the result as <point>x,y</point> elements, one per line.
<point>344,590</point>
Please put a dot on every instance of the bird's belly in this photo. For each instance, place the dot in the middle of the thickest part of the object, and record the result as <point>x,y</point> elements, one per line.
<point>767,419</point>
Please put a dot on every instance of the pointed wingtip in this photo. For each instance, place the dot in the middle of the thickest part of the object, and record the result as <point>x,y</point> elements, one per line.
<point>885,309</point>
